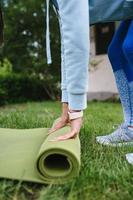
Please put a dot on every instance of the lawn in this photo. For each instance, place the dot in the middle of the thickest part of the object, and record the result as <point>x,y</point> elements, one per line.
<point>104,175</point>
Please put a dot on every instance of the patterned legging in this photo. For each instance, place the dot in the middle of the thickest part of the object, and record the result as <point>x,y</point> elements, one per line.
<point>120,53</point>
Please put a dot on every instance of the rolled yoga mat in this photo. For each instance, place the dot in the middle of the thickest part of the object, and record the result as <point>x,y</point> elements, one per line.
<point>28,155</point>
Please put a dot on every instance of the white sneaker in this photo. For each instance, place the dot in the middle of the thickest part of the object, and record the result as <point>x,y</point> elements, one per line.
<point>129,158</point>
<point>121,136</point>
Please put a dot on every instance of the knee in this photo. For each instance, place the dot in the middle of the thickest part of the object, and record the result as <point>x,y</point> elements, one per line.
<point>115,55</point>
<point>112,51</point>
<point>127,48</point>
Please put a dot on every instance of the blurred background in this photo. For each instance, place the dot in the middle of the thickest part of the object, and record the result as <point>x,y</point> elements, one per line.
<point>24,73</point>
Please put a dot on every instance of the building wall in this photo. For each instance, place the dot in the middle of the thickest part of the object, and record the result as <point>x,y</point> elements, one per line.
<point>101,79</point>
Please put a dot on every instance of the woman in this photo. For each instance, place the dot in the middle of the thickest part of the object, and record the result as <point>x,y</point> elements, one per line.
<point>74,65</point>
<point>120,53</point>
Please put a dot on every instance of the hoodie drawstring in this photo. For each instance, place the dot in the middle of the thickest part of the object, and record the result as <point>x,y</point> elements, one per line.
<point>48,49</point>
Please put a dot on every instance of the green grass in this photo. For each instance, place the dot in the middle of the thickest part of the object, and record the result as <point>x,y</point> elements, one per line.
<point>104,175</point>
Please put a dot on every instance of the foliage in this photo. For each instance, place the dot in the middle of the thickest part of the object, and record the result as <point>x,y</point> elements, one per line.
<point>21,87</point>
<point>24,44</point>
<point>25,34</point>
<point>5,66</point>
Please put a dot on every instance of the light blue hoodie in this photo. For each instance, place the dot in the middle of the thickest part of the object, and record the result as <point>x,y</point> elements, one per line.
<point>74,27</point>
<point>75,17</point>
<point>103,11</point>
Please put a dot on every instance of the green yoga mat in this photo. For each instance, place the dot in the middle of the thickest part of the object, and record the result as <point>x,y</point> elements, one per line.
<point>28,155</point>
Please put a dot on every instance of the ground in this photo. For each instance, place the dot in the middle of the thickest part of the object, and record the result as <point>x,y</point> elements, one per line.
<point>104,175</point>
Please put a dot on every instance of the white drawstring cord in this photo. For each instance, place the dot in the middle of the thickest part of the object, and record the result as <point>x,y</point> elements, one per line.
<point>48,50</point>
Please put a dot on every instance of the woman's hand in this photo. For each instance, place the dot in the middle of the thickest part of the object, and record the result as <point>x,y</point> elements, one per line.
<point>75,129</point>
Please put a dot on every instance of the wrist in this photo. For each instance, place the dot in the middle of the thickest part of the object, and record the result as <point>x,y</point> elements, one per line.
<point>71,110</point>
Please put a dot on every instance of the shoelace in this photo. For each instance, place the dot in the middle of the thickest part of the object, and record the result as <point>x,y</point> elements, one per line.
<point>48,49</point>
<point>119,126</point>
<point>122,128</point>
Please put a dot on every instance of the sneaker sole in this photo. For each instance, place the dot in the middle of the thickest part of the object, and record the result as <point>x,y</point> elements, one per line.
<point>116,145</point>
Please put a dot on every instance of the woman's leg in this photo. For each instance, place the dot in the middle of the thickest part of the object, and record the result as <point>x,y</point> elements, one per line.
<point>123,74</point>
<point>119,64</point>
<point>128,52</point>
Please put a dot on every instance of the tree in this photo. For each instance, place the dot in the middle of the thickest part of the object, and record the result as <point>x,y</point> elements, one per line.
<point>25,36</point>
<point>24,44</point>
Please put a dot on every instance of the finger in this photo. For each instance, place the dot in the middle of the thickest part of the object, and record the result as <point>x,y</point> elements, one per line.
<point>60,138</point>
<point>52,130</point>
<point>64,137</point>
<point>55,128</point>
